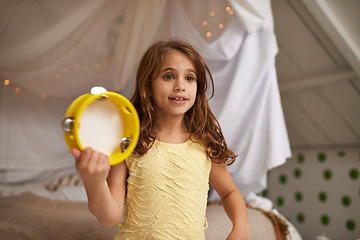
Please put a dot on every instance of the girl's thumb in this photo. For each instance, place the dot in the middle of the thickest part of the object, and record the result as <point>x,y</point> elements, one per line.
<point>76,153</point>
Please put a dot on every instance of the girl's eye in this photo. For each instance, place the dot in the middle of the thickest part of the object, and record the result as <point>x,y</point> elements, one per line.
<point>169,76</point>
<point>190,78</point>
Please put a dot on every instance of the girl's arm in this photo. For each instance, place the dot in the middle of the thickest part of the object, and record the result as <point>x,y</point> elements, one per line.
<point>105,187</point>
<point>232,200</point>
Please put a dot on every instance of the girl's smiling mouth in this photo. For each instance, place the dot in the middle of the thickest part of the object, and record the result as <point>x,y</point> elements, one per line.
<point>178,99</point>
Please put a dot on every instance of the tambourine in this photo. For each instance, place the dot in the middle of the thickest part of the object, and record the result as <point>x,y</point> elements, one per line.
<point>105,121</point>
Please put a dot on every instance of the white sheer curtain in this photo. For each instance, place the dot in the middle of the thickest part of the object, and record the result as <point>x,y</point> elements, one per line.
<point>53,51</point>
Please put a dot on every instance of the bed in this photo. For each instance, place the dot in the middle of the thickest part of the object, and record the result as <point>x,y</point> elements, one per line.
<point>50,211</point>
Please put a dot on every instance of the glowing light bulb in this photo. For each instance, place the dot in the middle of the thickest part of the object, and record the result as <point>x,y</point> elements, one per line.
<point>76,66</point>
<point>6,82</point>
<point>204,23</point>
<point>208,34</point>
<point>221,25</point>
<point>227,8</point>
<point>212,14</point>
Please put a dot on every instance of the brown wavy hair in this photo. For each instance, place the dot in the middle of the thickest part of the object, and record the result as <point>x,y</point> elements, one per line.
<point>199,120</point>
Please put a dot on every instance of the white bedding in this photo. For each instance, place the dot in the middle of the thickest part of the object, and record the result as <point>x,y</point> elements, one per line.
<point>67,193</point>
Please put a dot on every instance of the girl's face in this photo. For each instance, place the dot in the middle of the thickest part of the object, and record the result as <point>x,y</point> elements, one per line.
<point>174,89</point>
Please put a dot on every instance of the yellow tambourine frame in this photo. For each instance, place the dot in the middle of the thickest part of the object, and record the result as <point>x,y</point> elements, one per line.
<point>130,118</point>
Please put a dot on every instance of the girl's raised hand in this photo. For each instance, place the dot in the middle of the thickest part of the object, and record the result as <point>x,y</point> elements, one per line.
<point>92,166</point>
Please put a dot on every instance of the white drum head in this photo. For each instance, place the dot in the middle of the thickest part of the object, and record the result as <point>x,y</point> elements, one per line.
<point>101,127</point>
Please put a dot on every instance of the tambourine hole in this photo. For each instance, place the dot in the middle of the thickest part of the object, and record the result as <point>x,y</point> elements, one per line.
<point>101,98</point>
<point>127,110</point>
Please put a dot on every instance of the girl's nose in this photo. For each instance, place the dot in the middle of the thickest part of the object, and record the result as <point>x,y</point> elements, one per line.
<point>179,86</point>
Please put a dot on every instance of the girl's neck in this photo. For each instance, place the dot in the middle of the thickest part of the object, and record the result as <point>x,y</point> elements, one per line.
<point>170,131</point>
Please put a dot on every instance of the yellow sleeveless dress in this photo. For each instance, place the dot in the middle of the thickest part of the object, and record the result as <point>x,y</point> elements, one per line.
<point>167,193</point>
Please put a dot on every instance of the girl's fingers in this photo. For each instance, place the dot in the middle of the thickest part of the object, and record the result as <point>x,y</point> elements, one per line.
<point>76,153</point>
<point>106,162</point>
<point>83,158</point>
<point>91,163</point>
<point>103,162</point>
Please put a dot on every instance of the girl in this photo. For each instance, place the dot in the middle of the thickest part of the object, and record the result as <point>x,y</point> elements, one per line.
<point>181,149</point>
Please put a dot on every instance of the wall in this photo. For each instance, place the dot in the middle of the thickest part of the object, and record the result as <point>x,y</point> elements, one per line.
<point>319,191</point>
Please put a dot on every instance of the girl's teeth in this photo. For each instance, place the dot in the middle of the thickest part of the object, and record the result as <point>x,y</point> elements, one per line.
<point>178,99</point>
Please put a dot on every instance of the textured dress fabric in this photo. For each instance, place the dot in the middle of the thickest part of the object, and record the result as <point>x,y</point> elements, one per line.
<point>167,193</point>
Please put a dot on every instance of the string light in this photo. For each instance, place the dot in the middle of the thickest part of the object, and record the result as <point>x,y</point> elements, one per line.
<point>86,72</point>
<point>17,90</point>
<point>76,66</point>
<point>213,27</point>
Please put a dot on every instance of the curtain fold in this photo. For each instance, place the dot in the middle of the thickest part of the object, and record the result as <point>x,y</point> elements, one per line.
<point>46,40</point>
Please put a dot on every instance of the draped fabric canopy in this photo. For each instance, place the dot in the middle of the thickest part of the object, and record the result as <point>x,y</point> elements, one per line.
<point>53,51</point>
